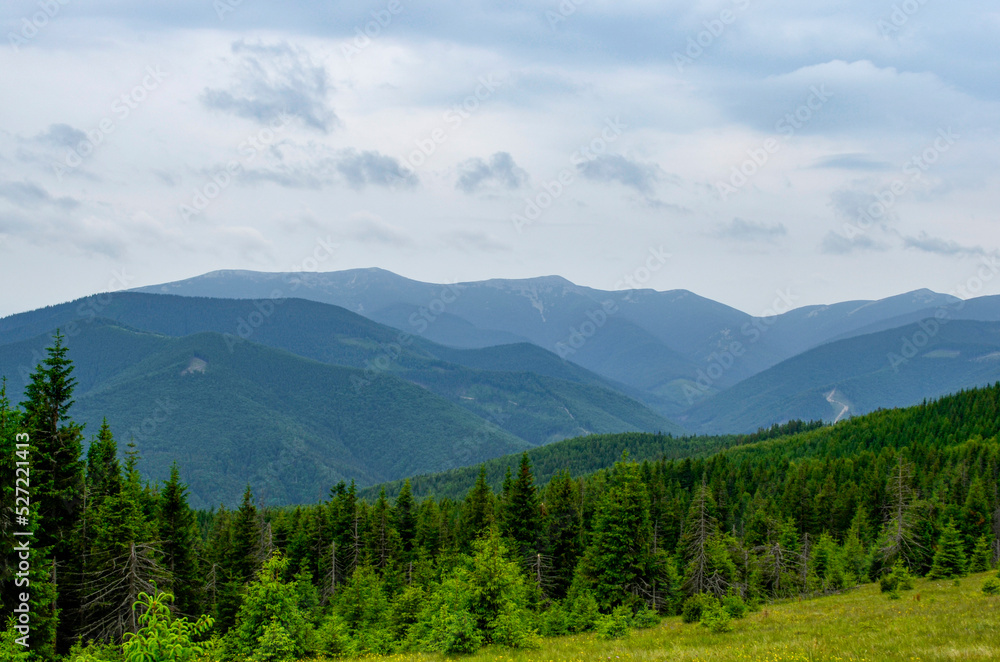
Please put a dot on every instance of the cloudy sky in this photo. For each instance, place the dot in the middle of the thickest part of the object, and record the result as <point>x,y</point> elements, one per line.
<point>835,150</point>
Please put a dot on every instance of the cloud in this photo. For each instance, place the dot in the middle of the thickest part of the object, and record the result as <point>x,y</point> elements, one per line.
<point>938,246</point>
<point>852,162</point>
<point>311,166</point>
<point>499,172</point>
<point>272,81</point>
<point>61,136</point>
<point>32,196</point>
<point>362,168</point>
<point>617,168</point>
<point>837,244</point>
<point>751,231</point>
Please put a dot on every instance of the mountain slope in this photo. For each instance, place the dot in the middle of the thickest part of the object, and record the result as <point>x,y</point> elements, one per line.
<point>255,414</point>
<point>559,400</point>
<point>894,368</point>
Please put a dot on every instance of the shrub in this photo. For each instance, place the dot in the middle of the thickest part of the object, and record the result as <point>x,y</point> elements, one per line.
<point>161,637</point>
<point>582,608</point>
<point>693,607</point>
<point>616,624</point>
<point>555,621</point>
<point>9,648</point>
<point>645,618</point>
<point>735,606</point>
<point>274,645</point>
<point>991,586</point>
<point>897,579</point>
<point>715,617</point>
<point>334,638</point>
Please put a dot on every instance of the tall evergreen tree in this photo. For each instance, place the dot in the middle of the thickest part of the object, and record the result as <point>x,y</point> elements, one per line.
<point>57,477</point>
<point>178,536</point>
<point>618,555</point>
<point>949,557</point>
<point>563,532</point>
<point>520,515</point>
<point>406,520</point>
<point>477,511</point>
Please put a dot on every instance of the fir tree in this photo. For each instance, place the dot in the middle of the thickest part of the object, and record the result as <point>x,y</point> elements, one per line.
<point>477,511</point>
<point>178,536</point>
<point>949,557</point>
<point>563,532</point>
<point>520,516</point>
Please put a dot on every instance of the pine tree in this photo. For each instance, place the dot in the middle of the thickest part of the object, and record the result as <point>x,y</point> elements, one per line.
<point>477,511</point>
<point>563,532</point>
<point>122,562</point>
<point>699,529</point>
<point>520,515</point>
<point>949,557</point>
<point>178,535</point>
<point>384,540</point>
<point>982,555</point>
<point>617,558</point>
<point>975,517</point>
<point>57,478</point>
<point>406,520</point>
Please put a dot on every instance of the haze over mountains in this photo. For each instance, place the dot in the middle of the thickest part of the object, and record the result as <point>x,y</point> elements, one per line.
<point>294,381</point>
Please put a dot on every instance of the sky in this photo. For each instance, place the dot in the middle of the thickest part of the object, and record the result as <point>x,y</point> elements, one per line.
<point>735,148</point>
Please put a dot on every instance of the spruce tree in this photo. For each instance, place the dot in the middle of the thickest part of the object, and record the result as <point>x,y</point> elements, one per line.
<point>178,536</point>
<point>563,532</point>
<point>520,516</point>
<point>406,520</point>
<point>57,478</point>
<point>477,511</point>
<point>949,557</point>
<point>617,558</point>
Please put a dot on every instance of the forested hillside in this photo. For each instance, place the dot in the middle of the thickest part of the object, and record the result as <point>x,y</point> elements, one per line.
<point>821,510</point>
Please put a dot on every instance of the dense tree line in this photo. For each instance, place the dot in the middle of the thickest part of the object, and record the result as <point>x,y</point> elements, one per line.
<point>802,511</point>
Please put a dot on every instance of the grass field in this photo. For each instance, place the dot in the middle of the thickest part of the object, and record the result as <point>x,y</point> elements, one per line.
<point>935,621</point>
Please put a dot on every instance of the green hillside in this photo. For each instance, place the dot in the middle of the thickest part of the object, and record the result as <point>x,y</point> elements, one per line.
<point>290,426</point>
<point>557,400</point>
<point>863,373</point>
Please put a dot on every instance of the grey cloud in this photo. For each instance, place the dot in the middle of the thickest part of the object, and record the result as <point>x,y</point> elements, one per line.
<point>938,246</point>
<point>500,171</point>
<point>473,240</point>
<point>837,244</point>
<point>28,195</point>
<point>61,136</point>
<point>742,230</point>
<point>318,168</point>
<point>274,80</point>
<point>852,162</point>
<point>617,168</point>
<point>362,168</point>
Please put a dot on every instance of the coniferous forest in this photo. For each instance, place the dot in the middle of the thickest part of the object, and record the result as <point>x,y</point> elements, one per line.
<point>124,569</point>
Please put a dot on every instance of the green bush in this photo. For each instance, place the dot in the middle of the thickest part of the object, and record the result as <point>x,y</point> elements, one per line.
<point>715,617</point>
<point>991,586</point>
<point>897,579</point>
<point>160,636</point>
<point>735,606</point>
<point>555,621</point>
<point>645,618</point>
<point>693,607</point>
<point>582,608</point>
<point>334,637</point>
<point>9,648</point>
<point>616,624</point>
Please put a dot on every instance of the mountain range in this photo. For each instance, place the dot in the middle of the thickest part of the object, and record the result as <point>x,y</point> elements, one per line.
<point>292,382</point>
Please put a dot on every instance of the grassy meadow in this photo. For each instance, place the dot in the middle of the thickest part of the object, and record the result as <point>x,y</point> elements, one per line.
<point>935,621</point>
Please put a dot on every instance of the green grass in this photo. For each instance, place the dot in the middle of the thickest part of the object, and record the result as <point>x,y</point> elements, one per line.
<point>935,621</point>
